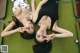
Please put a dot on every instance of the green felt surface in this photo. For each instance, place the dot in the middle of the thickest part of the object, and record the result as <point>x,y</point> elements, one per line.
<point>60,45</point>
<point>1,28</point>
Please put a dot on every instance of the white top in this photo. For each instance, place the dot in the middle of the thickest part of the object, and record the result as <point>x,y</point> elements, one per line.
<point>21,3</point>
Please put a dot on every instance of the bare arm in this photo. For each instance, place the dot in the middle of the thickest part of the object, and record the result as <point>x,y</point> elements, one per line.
<point>63,32</point>
<point>35,16</point>
<point>7,31</point>
<point>33,6</point>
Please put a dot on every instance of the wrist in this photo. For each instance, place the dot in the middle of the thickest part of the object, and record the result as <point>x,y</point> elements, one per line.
<point>18,29</point>
<point>53,34</point>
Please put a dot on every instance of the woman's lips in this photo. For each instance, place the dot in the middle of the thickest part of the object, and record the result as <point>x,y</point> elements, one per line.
<point>42,31</point>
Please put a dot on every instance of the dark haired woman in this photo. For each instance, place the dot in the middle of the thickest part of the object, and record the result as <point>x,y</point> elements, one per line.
<point>44,47</point>
<point>21,19</point>
<point>46,16</point>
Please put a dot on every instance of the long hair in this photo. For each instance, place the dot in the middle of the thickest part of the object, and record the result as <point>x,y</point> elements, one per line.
<point>44,47</point>
<point>26,35</point>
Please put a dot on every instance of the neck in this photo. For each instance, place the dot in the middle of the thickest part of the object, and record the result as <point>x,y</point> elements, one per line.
<point>22,16</point>
<point>19,16</point>
<point>43,27</point>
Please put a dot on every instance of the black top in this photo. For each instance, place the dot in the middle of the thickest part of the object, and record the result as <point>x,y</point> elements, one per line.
<point>50,9</point>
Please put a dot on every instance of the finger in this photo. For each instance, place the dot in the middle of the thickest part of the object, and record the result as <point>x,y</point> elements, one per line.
<point>52,37</point>
<point>48,40</point>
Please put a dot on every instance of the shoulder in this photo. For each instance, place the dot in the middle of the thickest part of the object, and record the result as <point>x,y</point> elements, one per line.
<point>14,19</point>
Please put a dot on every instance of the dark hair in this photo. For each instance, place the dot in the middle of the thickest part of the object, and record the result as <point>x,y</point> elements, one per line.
<point>26,35</point>
<point>44,47</point>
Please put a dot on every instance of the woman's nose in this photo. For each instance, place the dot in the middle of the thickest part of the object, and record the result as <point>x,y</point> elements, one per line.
<point>27,28</point>
<point>29,22</point>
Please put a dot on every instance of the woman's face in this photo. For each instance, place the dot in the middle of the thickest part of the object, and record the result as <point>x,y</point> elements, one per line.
<point>40,36</point>
<point>17,10</point>
<point>30,27</point>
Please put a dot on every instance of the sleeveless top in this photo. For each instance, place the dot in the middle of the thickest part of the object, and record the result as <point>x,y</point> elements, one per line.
<point>50,9</point>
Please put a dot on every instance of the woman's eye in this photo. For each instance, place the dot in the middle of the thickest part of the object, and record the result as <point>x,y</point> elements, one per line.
<point>38,35</point>
<point>44,36</point>
<point>27,28</point>
<point>32,27</point>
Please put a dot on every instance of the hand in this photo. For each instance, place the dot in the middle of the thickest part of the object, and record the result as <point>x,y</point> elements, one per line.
<point>50,37</point>
<point>21,29</point>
